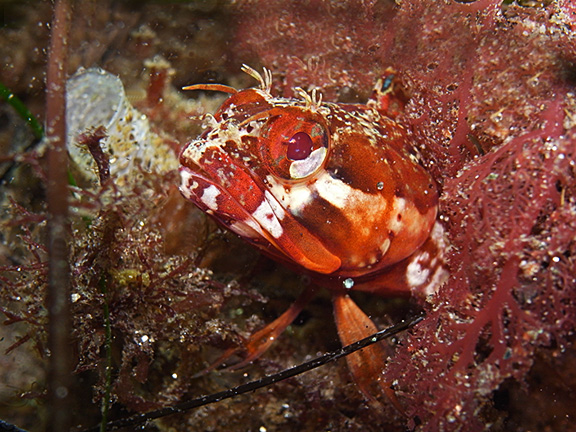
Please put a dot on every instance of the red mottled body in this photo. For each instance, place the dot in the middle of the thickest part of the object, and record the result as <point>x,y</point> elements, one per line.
<point>334,190</point>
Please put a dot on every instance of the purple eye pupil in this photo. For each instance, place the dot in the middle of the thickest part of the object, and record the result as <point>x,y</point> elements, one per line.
<point>299,146</point>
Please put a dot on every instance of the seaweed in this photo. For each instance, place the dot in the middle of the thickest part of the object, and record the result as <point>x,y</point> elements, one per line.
<point>22,111</point>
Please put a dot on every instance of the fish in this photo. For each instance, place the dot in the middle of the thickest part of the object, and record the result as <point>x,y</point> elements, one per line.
<point>332,190</point>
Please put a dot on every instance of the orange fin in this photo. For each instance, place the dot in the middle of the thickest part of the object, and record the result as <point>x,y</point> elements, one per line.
<point>260,341</point>
<point>422,273</point>
<point>366,365</point>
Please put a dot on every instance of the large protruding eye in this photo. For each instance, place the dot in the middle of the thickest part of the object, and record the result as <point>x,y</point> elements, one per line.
<point>294,144</point>
<point>299,146</point>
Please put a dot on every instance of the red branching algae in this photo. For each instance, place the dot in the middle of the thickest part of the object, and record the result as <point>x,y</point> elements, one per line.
<point>91,140</point>
<point>492,109</point>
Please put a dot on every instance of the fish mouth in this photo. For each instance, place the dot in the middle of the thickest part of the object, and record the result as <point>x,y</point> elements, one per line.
<point>225,189</point>
<point>217,184</point>
<point>217,201</point>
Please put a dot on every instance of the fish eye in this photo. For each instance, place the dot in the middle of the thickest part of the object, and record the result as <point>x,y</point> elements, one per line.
<point>299,146</point>
<point>294,147</point>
